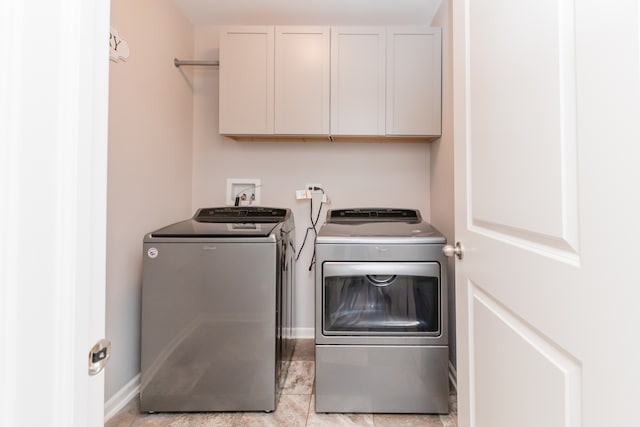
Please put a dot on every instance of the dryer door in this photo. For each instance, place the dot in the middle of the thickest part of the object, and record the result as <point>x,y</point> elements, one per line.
<point>381,299</point>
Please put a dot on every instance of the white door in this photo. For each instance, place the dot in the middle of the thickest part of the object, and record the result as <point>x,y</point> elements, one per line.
<point>547,145</point>
<point>53,139</point>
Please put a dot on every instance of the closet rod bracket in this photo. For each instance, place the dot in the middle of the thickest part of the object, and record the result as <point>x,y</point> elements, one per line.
<point>179,63</point>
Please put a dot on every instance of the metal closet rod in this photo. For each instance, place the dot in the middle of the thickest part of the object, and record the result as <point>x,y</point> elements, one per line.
<point>179,63</point>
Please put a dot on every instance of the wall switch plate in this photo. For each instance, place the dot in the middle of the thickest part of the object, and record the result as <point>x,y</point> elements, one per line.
<point>303,194</point>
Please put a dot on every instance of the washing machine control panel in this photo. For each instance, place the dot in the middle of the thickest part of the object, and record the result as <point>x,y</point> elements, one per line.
<point>231,214</point>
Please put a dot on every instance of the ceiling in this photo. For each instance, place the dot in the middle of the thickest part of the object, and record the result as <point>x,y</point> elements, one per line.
<point>309,12</point>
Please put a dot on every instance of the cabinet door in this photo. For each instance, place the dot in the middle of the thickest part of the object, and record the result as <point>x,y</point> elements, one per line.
<point>358,80</point>
<point>246,80</point>
<point>302,81</point>
<point>414,81</point>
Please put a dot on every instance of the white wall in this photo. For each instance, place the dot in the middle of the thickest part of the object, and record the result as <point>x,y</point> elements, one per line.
<point>442,197</point>
<point>150,148</point>
<point>361,174</point>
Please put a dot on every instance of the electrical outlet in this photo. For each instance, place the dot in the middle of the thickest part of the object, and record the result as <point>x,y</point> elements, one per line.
<point>311,185</point>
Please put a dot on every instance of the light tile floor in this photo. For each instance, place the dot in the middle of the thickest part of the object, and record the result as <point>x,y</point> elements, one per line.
<point>295,408</point>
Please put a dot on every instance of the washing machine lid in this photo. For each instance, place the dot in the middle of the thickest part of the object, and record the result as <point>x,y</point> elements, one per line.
<point>227,221</point>
<point>371,225</point>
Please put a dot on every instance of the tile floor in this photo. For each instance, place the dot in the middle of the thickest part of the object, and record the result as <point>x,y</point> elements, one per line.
<point>295,408</point>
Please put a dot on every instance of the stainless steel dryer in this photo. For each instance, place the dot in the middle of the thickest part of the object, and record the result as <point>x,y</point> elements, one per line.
<point>381,313</point>
<point>217,298</point>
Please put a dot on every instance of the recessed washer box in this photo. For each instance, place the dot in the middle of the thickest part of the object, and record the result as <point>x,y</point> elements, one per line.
<point>240,186</point>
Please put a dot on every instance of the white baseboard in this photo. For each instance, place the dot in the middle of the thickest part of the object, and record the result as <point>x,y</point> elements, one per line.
<point>303,333</point>
<point>121,398</point>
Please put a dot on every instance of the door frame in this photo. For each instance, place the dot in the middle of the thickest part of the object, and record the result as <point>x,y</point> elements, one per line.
<point>53,176</point>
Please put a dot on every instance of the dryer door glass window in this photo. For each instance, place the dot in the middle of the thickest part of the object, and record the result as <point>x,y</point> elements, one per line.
<point>381,299</point>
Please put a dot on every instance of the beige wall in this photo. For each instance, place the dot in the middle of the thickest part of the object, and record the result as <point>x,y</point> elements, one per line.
<point>363,174</point>
<point>442,198</point>
<point>150,148</point>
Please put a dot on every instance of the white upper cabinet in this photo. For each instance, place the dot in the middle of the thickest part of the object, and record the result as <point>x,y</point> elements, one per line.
<point>414,81</point>
<point>386,81</point>
<point>358,80</point>
<point>302,80</point>
<point>246,80</point>
<point>343,81</point>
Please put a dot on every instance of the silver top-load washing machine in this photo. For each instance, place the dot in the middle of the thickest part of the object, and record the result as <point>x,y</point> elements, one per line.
<point>381,313</point>
<point>217,298</point>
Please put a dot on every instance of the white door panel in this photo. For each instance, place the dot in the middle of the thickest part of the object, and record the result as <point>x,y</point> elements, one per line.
<point>521,93</point>
<point>546,109</point>
<point>514,379</point>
